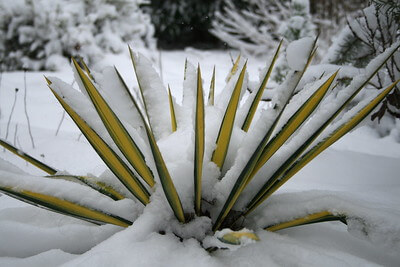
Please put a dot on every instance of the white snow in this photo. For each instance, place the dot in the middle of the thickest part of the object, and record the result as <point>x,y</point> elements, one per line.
<point>362,167</point>
<point>297,53</point>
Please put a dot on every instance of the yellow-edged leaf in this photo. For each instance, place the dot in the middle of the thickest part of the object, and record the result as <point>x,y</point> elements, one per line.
<point>257,98</point>
<point>199,143</point>
<point>101,187</point>
<point>212,89</point>
<point>296,154</point>
<point>166,181</point>
<point>165,178</point>
<point>323,216</point>
<point>28,158</point>
<point>110,158</point>
<point>225,131</point>
<point>234,238</point>
<point>294,122</point>
<point>138,80</point>
<point>116,129</point>
<point>172,110</point>
<point>321,146</point>
<point>65,207</point>
<point>247,173</point>
<point>85,67</point>
<point>234,68</point>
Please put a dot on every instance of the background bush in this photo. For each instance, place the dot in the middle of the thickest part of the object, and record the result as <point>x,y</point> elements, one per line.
<point>36,34</point>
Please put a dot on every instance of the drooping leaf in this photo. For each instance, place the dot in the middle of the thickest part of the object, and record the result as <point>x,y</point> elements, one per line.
<point>323,216</point>
<point>199,143</point>
<point>260,91</point>
<point>65,207</point>
<point>116,129</point>
<point>46,168</point>
<point>227,123</point>
<point>101,187</point>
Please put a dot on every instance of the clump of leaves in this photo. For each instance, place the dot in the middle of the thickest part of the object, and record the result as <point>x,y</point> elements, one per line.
<point>125,129</point>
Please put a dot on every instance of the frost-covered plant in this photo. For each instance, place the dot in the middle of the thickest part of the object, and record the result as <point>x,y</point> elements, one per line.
<point>374,29</point>
<point>201,167</point>
<point>256,28</point>
<point>37,34</point>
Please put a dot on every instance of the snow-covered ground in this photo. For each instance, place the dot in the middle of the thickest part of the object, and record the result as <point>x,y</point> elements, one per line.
<point>360,165</point>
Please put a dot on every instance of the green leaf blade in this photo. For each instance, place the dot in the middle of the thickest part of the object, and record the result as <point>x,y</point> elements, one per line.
<point>260,91</point>
<point>172,111</point>
<point>110,158</point>
<point>199,143</point>
<point>65,207</point>
<point>321,146</point>
<point>116,129</point>
<point>227,123</point>
<point>44,167</point>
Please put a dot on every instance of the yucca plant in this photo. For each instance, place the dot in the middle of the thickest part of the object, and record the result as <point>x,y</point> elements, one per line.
<point>234,153</point>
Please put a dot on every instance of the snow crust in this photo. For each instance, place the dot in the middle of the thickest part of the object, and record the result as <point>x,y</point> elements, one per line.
<point>155,96</point>
<point>365,220</point>
<point>297,53</point>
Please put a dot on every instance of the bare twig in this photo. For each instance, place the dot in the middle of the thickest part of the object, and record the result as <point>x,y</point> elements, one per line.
<point>26,112</point>
<point>60,123</point>
<point>63,116</point>
<point>11,112</point>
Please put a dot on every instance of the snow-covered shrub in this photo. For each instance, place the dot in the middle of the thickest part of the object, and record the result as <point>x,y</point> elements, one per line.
<point>194,169</point>
<point>38,34</point>
<point>258,27</point>
<point>375,29</point>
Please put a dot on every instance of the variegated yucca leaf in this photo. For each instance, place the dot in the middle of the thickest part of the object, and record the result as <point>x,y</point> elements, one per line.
<point>247,172</point>
<point>110,158</point>
<point>44,167</point>
<point>225,131</point>
<point>165,178</point>
<point>297,119</point>
<point>116,129</point>
<point>234,68</point>
<point>65,207</point>
<point>323,216</point>
<point>273,184</point>
<point>199,143</point>
<point>289,116</point>
<point>211,95</point>
<point>172,111</point>
<point>296,154</point>
<point>260,91</point>
<point>99,186</point>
